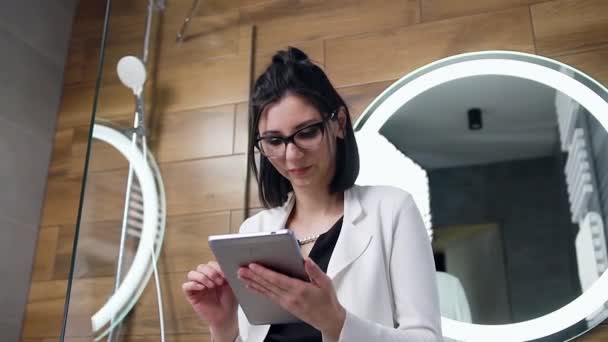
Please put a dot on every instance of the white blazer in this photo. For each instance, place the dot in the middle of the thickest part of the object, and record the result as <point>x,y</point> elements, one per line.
<point>382,268</point>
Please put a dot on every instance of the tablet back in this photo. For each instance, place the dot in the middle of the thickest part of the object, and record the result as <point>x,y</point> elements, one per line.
<point>278,251</point>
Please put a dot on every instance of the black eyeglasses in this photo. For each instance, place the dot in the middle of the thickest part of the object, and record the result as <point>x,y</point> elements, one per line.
<point>307,138</point>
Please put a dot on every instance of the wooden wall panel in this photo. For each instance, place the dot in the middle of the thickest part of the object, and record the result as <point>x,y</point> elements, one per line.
<point>358,97</point>
<point>62,153</point>
<point>98,248</point>
<point>205,185</point>
<point>61,201</point>
<point>210,34</point>
<point>76,106</point>
<point>196,103</point>
<point>213,83</point>
<point>115,102</point>
<point>206,83</point>
<point>44,311</point>
<point>185,244</point>
<point>282,22</point>
<point>593,63</point>
<point>104,195</point>
<point>440,9</point>
<point>63,257</point>
<point>44,260</point>
<point>181,320</point>
<point>195,134</point>
<point>241,128</point>
<point>390,54</point>
<point>103,157</point>
<point>570,26</point>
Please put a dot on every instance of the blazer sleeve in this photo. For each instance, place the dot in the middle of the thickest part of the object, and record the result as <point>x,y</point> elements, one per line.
<point>412,276</point>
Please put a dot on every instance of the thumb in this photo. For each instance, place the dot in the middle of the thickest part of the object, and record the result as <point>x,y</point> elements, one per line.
<point>315,273</point>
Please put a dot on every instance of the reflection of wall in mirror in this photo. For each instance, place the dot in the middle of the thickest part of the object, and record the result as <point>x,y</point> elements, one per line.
<point>474,256</point>
<point>528,199</point>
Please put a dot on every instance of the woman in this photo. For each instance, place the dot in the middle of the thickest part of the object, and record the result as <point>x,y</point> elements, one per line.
<point>366,249</point>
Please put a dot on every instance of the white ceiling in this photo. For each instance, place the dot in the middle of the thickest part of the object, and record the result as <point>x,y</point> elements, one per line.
<point>519,122</point>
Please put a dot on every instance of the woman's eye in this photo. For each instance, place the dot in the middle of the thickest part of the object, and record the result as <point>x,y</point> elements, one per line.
<point>274,141</point>
<point>310,132</point>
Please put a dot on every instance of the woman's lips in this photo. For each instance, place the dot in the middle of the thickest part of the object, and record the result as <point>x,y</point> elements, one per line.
<point>299,171</point>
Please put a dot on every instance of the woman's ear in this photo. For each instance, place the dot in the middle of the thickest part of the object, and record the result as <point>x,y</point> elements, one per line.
<point>341,132</point>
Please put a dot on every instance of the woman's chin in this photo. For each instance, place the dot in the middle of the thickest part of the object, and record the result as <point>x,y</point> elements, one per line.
<point>302,182</point>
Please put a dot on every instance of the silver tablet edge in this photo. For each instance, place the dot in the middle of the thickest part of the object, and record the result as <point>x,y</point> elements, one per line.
<point>246,235</point>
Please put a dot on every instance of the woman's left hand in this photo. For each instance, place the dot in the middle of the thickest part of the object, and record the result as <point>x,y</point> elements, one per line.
<point>313,302</point>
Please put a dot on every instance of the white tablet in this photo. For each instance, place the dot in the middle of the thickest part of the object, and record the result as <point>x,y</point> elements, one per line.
<point>277,250</point>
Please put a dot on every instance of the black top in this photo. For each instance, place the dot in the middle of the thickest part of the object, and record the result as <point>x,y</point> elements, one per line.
<point>302,332</point>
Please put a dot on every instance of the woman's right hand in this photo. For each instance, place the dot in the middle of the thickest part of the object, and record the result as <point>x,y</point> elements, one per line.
<point>210,295</point>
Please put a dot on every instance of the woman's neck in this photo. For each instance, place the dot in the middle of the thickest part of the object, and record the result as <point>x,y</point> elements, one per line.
<point>318,203</point>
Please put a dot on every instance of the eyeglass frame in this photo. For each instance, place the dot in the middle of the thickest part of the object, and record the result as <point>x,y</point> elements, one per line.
<point>291,138</point>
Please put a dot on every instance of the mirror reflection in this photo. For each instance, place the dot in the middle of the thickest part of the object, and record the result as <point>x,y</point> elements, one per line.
<point>511,175</point>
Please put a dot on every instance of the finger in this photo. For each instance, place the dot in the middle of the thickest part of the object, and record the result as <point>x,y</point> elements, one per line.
<point>217,267</point>
<point>211,273</point>
<point>315,273</point>
<point>200,278</point>
<point>251,278</point>
<point>192,286</point>
<point>279,280</point>
<point>287,301</point>
<point>263,291</point>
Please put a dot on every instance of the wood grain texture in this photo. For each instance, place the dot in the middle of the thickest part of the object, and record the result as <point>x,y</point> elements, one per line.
<point>65,246</point>
<point>441,9</point>
<point>210,34</point>
<point>569,26</point>
<point>115,102</point>
<point>180,318</point>
<point>46,252</point>
<point>191,187</point>
<point>103,157</point>
<point>195,134</point>
<point>44,311</point>
<point>61,201</point>
<point>104,196</point>
<point>205,185</point>
<point>185,244</point>
<point>280,23</point>
<point>206,83</point>
<point>62,153</point>
<point>241,128</point>
<point>390,54</point>
<point>358,97</point>
<point>88,295</point>
<point>593,63</point>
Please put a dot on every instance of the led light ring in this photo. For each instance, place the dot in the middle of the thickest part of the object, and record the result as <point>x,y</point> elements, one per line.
<point>139,270</point>
<point>597,294</point>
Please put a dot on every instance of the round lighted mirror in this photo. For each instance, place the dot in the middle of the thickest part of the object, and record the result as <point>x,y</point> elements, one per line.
<point>506,154</point>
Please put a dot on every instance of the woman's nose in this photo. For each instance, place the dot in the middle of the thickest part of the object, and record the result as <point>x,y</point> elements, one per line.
<point>292,151</point>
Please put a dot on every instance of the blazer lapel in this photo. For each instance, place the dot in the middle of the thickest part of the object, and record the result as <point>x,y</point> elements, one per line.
<point>353,240</point>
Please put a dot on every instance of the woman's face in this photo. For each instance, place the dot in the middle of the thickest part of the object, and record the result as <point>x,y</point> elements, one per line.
<point>304,168</point>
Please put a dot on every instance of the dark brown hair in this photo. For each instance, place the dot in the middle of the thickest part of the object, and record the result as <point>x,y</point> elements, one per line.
<point>291,72</point>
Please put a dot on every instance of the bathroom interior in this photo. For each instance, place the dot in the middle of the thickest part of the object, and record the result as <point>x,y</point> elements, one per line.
<point>144,153</point>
